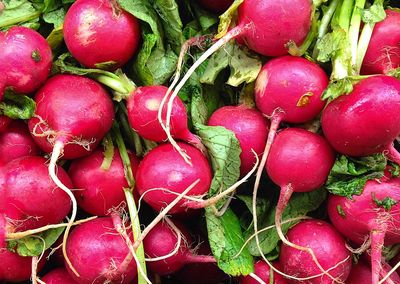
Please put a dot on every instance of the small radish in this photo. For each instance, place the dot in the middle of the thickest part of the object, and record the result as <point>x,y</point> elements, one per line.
<point>162,240</point>
<point>365,121</point>
<point>97,251</point>
<point>328,246</point>
<point>361,274</point>
<point>16,142</point>
<point>163,168</point>
<point>25,59</point>
<point>383,53</point>
<point>373,215</point>
<point>262,271</point>
<point>99,34</point>
<point>58,276</point>
<point>250,128</point>
<point>217,6</point>
<point>4,122</point>
<point>31,198</point>
<point>100,189</point>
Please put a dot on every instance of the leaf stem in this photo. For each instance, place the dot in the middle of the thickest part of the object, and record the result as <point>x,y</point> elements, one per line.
<point>354,32</point>
<point>20,19</point>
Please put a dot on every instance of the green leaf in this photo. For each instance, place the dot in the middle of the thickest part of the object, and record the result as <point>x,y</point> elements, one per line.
<point>337,88</point>
<point>34,245</point>
<point>299,205</point>
<point>55,17</point>
<point>385,203</point>
<point>374,14</point>
<point>226,239</point>
<point>262,205</point>
<point>348,176</point>
<point>17,106</point>
<point>226,18</point>
<point>19,12</point>
<point>330,45</point>
<point>395,73</point>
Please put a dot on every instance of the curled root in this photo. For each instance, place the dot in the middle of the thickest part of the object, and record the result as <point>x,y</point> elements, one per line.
<point>365,245</point>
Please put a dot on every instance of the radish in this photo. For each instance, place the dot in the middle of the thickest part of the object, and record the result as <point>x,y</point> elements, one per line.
<point>4,122</point>
<point>365,121</point>
<point>58,276</point>
<point>383,53</point>
<point>250,128</point>
<point>163,168</point>
<point>16,142</point>
<point>328,246</point>
<point>373,215</point>
<point>97,251</point>
<point>99,34</point>
<point>98,198</point>
<point>361,274</point>
<point>217,6</point>
<point>32,199</point>
<point>25,59</point>
<point>161,242</point>
<point>262,271</point>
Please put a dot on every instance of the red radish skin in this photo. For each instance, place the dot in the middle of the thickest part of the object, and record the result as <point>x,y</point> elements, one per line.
<point>383,53</point>
<point>328,246</point>
<point>360,217</point>
<point>32,199</point>
<point>2,88</point>
<point>216,6</point>
<point>99,31</point>
<point>262,270</point>
<point>100,189</point>
<point>163,167</point>
<point>361,274</point>
<point>58,276</point>
<point>97,251</point>
<point>25,59</point>
<point>368,118</point>
<point>250,128</point>
<point>16,142</point>
<point>4,122</point>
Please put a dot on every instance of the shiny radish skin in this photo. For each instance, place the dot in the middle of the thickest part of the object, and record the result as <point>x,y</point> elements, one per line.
<point>383,53</point>
<point>74,110</point>
<point>366,121</point>
<point>32,200</point>
<point>250,128</point>
<point>58,276</point>
<point>97,252</point>
<point>143,106</point>
<point>25,59</point>
<point>100,189</point>
<point>328,246</point>
<point>97,32</point>
<point>265,35</point>
<point>216,6</point>
<point>17,142</point>
<point>163,167</point>
<point>4,122</point>
<point>294,85</point>
<point>361,274</point>
<point>262,270</point>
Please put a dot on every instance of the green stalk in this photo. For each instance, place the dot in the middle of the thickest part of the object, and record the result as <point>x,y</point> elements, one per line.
<point>133,213</point>
<point>354,32</point>
<point>113,83</point>
<point>295,50</point>
<point>21,19</point>
<point>345,14</point>
<point>132,137</point>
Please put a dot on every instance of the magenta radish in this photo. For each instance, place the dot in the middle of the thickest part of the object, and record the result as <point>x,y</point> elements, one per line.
<point>16,142</point>
<point>32,199</point>
<point>58,276</point>
<point>25,59</point>
<point>328,246</point>
<point>250,128</point>
<point>263,270</point>
<point>99,34</point>
<point>161,242</point>
<point>100,189</point>
<point>163,168</point>
<point>218,6</point>
<point>361,274</point>
<point>97,251</point>
<point>368,119</point>
<point>373,215</point>
<point>4,122</point>
<point>383,53</point>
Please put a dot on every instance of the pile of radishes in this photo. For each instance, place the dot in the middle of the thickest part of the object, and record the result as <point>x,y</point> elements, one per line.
<point>131,153</point>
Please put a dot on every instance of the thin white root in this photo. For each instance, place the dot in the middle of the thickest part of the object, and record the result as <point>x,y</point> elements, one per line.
<point>57,150</point>
<point>34,268</point>
<point>393,270</point>
<point>258,279</point>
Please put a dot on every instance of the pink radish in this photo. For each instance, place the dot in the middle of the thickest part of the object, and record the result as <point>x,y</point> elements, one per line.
<point>99,34</point>
<point>383,53</point>
<point>218,6</point>
<point>25,59</point>
<point>262,270</point>
<point>32,199</point>
<point>163,168</point>
<point>365,121</point>
<point>98,252</point>
<point>161,241</point>
<point>16,142</point>
<point>250,128</point>
<point>328,246</point>
<point>98,198</point>
<point>361,274</point>
<point>373,215</point>
<point>4,122</point>
<point>58,276</point>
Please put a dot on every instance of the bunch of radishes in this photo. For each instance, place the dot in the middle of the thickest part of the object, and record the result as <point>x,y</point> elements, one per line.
<point>107,180</point>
